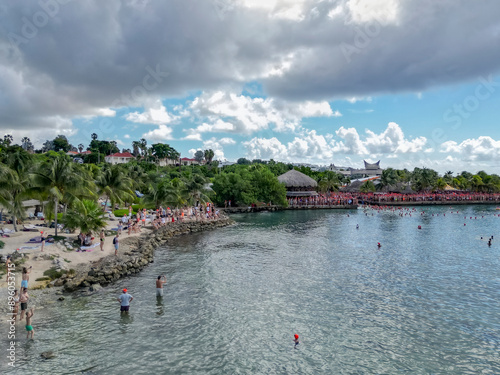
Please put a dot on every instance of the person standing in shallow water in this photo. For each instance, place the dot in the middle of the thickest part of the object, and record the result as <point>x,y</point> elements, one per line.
<point>159,285</point>
<point>29,327</point>
<point>125,300</point>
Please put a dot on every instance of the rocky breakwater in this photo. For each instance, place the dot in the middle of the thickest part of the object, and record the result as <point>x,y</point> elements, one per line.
<point>135,254</point>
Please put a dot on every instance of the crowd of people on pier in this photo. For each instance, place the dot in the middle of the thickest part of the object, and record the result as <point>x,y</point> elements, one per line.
<point>429,197</point>
<point>323,200</point>
<point>347,199</point>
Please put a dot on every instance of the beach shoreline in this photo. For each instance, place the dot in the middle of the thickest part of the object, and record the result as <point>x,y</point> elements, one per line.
<point>91,268</point>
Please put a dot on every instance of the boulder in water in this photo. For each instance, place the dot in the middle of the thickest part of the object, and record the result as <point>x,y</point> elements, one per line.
<point>48,355</point>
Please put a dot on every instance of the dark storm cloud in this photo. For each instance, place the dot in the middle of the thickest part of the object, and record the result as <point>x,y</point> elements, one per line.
<point>85,55</point>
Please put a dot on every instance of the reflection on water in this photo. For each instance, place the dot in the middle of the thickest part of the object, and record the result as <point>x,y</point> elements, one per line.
<point>425,302</point>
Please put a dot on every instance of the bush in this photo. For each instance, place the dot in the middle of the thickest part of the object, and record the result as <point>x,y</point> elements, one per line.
<point>53,274</point>
<point>45,278</point>
<point>2,244</point>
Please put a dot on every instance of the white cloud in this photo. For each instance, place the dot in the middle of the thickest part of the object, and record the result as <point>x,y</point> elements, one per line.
<point>483,148</point>
<point>162,133</point>
<point>126,136</point>
<point>216,145</point>
<point>241,114</point>
<point>322,148</point>
<point>156,114</point>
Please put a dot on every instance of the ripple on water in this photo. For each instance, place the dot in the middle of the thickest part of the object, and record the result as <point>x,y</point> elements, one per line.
<point>426,302</point>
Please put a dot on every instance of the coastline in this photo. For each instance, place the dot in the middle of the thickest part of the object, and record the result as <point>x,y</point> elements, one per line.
<point>104,268</point>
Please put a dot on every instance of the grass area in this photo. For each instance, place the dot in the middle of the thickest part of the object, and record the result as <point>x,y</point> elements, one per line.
<point>45,278</point>
<point>53,274</point>
<point>121,212</point>
<point>67,261</point>
<point>2,244</point>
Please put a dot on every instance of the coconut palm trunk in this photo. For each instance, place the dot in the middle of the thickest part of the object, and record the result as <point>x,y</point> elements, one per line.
<point>14,221</point>
<point>55,213</point>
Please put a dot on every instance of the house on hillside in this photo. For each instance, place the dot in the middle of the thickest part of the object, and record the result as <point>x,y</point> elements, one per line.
<point>165,162</point>
<point>188,161</point>
<point>119,158</point>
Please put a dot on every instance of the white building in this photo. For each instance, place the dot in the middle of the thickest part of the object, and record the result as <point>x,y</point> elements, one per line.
<point>119,158</point>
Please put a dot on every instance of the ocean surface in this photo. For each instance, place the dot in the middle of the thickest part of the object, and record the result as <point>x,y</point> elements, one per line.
<point>426,302</point>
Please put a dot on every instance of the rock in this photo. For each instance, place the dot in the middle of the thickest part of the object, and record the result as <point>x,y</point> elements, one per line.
<point>95,287</point>
<point>59,293</point>
<point>61,298</point>
<point>48,355</point>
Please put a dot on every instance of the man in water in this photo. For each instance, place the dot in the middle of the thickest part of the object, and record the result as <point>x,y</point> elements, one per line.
<point>29,327</point>
<point>125,300</point>
<point>159,285</point>
<point>296,339</point>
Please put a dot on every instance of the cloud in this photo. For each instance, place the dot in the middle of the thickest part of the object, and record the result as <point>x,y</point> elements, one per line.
<point>155,114</point>
<point>163,133</point>
<point>483,148</point>
<point>216,145</point>
<point>242,114</point>
<point>320,148</point>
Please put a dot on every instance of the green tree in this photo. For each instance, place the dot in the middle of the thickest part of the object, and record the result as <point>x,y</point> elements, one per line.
<point>113,183</point>
<point>65,181</point>
<point>367,187</point>
<point>60,143</point>
<point>15,182</point>
<point>198,156</point>
<point>85,215</point>
<point>209,155</point>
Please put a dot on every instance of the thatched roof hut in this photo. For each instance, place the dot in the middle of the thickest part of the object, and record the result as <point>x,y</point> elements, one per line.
<point>298,184</point>
<point>294,178</point>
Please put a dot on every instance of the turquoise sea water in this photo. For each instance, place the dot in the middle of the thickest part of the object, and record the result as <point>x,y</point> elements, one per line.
<point>426,302</point>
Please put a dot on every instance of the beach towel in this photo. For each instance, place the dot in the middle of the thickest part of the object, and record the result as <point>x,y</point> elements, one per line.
<point>87,248</point>
<point>38,239</point>
<point>30,227</point>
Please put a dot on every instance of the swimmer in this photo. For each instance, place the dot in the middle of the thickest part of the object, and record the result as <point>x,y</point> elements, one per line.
<point>357,226</point>
<point>379,245</point>
<point>296,339</point>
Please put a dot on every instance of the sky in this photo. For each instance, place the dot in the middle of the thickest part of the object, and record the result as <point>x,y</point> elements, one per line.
<point>410,83</point>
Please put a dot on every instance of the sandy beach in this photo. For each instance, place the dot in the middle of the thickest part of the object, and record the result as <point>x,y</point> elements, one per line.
<point>68,258</point>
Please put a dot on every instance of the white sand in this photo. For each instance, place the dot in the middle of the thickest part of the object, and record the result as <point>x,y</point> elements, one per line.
<point>19,239</point>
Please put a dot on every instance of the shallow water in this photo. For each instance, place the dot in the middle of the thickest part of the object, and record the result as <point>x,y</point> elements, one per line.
<point>426,302</point>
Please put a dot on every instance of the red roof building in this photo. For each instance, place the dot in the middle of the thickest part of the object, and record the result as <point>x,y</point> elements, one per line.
<point>119,158</point>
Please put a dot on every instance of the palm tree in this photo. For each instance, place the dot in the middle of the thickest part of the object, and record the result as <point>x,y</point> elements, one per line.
<point>64,181</point>
<point>166,192</point>
<point>209,155</point>
<point>115,184</point>
<point>93,136</point>
<point>15,183</point>
<point>367,186</point>
<point>85,215</point>
<point>8,139</point>
<point>80,148</point>
<point>389,178</point>
<point>329,181</point>
<point>195,189</point>
<point>136,146</point>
